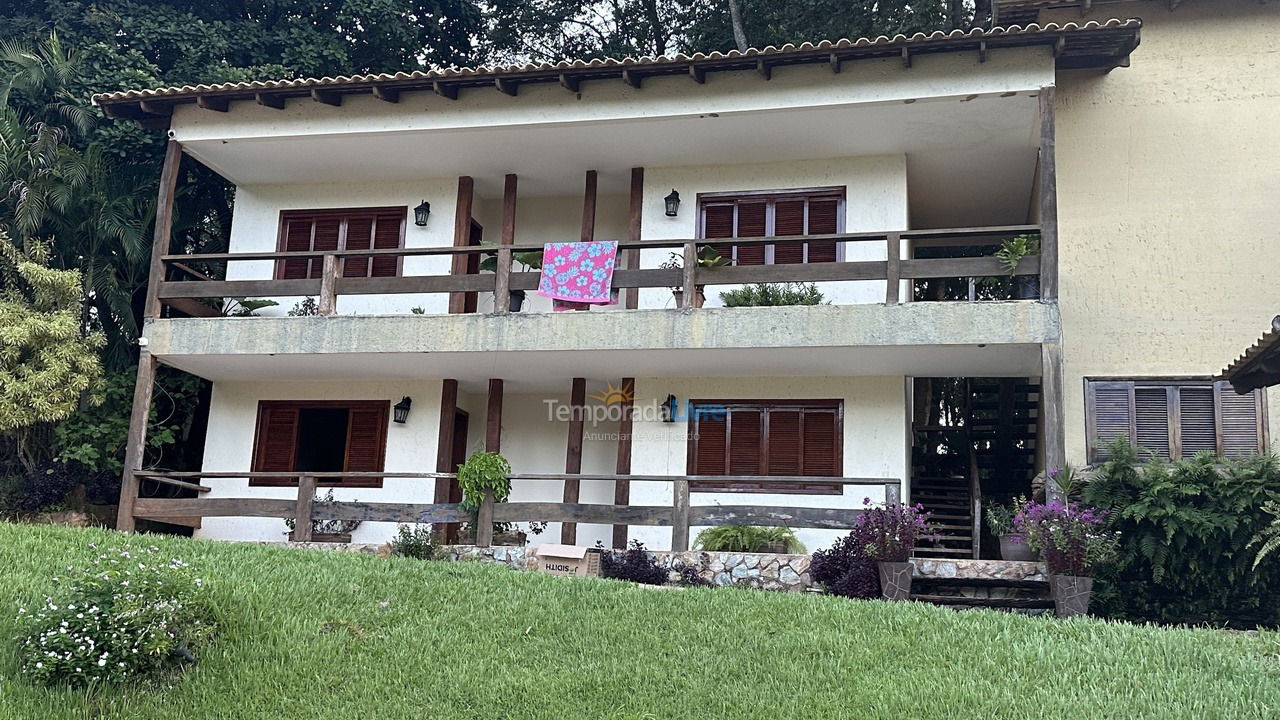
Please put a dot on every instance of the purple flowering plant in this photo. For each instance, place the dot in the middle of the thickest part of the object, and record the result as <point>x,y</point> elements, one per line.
<point>891,532</point>
<point>1073,538</point>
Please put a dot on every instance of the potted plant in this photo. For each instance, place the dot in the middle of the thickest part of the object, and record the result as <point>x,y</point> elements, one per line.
<point>749,539</point>
<point>528,261</point>
<point>1013,546</point>
<point>891,534</point>
<point>1010,253</point>
<point>708,257</point>
<point>334,531</point>
<point>1074,541</point>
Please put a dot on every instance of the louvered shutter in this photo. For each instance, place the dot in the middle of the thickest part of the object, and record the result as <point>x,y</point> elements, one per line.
<point>786,443</point>
<point>717,222</point>
<point>746,433</point>
<point>327,232</point>
<point>788,221</point>
<point>1196,424</point>
<point>277,438</point>
<point>752,217</point>
<point>821,443</point>
<point>297,238</point>
<point>1151,417</point>
<point>710,435</point>
<point>1238,418</point>
<point>1112,415</point>
<point>762,440</point>
<point>366,437</point>
<point>359,236</point>
<point>824,219</point>
<point>387,234</point>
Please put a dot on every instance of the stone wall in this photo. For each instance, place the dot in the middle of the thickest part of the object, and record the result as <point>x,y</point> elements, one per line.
<point>766,571</point>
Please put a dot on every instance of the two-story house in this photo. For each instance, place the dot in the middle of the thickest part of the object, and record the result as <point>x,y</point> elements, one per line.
<point>1128,189</point>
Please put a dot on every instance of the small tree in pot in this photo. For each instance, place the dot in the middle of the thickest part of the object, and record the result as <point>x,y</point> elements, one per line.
<point>1013,546</point>
<point>891,533</point>
<point>1074,541</point>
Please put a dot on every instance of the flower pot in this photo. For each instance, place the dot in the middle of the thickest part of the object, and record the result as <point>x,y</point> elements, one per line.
<point>698,299</point>
<point>1070,594</point>
<point>895,580</point>
<point>517,300</point>
<point>1013,547</point>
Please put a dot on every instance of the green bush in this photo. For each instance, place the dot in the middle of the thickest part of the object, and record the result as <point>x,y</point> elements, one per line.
<point>772,294</point>
<point>1186,529</point>
<point>747,538</point>
<point>415,542</point>
<point>484,471</point>
<point>129,613</point>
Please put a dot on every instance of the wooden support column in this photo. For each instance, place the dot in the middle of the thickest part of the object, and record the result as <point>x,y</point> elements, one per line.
<point>502,281</point>
<point>329,285</point>
<point>589,207</point>
<point>573,456</point>
<point>302,515</point>
<point>680,515</point>
<point>622,488</point>
<point>1048,198</point>
<point>461,238</point>
<point>631,256</point>
<point>893,265</point>
<point>136,441</point>
<point>164,225</point>
<point>689,281</point>
<point>493,418</point>
<point>444,445</point>
<point>1053,434</point>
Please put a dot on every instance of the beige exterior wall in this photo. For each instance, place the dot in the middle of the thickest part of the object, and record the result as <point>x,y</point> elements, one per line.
<point>1168,174</point>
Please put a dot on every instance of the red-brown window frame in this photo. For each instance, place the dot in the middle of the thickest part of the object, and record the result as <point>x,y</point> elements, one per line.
<point>344,214</point>
<point>771,197</point>
<point>817,488</point>
<point>259,447</point>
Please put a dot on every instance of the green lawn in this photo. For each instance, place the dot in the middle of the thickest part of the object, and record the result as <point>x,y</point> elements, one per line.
<point>340,636</point>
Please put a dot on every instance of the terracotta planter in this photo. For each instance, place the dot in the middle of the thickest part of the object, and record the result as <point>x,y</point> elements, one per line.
<point>698,299</point>
<point>1070,594</point>
<point>1012,547</point>
<point>895,580</point>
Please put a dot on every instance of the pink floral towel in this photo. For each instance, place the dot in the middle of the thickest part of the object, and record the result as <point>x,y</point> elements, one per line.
<point>578,274</point>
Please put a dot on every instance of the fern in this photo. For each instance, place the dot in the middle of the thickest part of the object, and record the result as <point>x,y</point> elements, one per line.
<point>1268,537</point>
<point>747,538</point>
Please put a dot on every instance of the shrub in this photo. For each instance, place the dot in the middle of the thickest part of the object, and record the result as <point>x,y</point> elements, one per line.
<point>484,471</point>
<point>125,615</point>
<point>635,564</point>
<point>846,569</point>
<point>891,532</point>
<point>1184,554</point>
<point>415,542</point>
<point>1000,516</point>
<point>748,538</point>
<point>1072,538</point>
<point>772,294</point>
<point>1267,538</point>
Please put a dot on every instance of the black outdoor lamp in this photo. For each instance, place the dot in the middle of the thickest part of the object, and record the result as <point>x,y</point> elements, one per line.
<point>673,203</point>
<point>402,409</point>
<point>421,213</point>
<point>669,409</point>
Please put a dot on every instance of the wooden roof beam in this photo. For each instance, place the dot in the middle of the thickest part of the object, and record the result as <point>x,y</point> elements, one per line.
<point>505,86</point>
<point>153,108</point>
<point>906,58</point>
<point>269,100</point>
<point>698,73</point>
<point>572,83</point>
<point>764,68</point>
<point>328,97</point>
<point>386,94</point>
<point>982,51</point>
<point>631,78</point>
<point>836,63</point>
<point>445,90</point>
<point>213,102</point>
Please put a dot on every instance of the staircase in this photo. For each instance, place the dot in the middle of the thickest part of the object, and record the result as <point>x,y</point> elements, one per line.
<point>991,453</point>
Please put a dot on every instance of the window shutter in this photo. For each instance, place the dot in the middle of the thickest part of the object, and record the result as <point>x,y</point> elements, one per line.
<point>297,238</point>
<point>751,223</point>
<point>1151,412</point>
<point>366,438</point>
<point>1112,414</point>
<point>387,233</point>
<point>717,222</point>
<point>359,237</point>
<point>788,221</point>
<point>328,230</point>
<point>1238,418</point>
<point>710,436</point>
<point>823,220</point>
<point>277,437</point>
<point>786,442</point>
<point>821,444</point>
<point>1195,423</point>
<point>746,433</point>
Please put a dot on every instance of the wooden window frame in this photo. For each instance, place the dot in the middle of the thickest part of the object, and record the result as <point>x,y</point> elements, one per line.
<point>771,197</point>
<point>817,488</point>
<point>1172,386</point>
<point>344,215</point>
<point>259,447</point>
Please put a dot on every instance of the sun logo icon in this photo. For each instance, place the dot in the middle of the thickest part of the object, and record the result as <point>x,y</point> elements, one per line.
<point>615,395</point>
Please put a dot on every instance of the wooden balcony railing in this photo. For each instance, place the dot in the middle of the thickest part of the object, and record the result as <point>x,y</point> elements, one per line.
<point>184,294</point>
<point>679,516</point>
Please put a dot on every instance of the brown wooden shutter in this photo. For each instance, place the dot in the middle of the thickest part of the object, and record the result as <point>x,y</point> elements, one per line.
<point>1239,418</point>
<point>752,218</point>
<point>1151,418</point>
<point>359,237</point>
<point>822,443</point>
<point>717,222</point>
<point>367,437</point>
<point>823,220</point>
<point>786,443</point>
<point>711,433</point>
<point>388,233</point>
<point>297,238</point>
<point>763,438</point>
<point>746,433</point>
<point>788,221</point>
<point>1196,425</point>
<point>1112,414</point>
<point>327,233</point>
<point>277,439</point>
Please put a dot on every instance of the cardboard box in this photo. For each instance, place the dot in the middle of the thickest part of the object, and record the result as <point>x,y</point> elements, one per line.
<point>575,560</point>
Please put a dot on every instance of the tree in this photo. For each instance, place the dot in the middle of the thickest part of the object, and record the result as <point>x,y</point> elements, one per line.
<point>47,363</point>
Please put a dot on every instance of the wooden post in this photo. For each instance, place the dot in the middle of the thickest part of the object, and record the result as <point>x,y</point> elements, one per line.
<point>164,225</point>
<point>1054,433</point>
<point>622,488</point>
<point>1048,198</point>
<point>444,446</point>
<point>302,516</point>
<point>484,521</point>
<point>573,456</point>
<point>493,418</point>
<point>461,238</point>
<point>589,208</point>
<point>631,256</point>
<point>136,441</point>
<point>329,285</point>
<point>680,515</point>
<point>502,283</point>
<point>893,265</point>
<point>688,284</point>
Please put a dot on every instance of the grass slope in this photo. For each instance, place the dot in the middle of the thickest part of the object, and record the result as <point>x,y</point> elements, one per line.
<point>330,635</point>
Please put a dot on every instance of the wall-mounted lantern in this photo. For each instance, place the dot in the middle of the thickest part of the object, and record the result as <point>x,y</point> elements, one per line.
<point>669,409</point>
<point>421,213</point>
<point>673,203</point>
<point>402,409</point>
